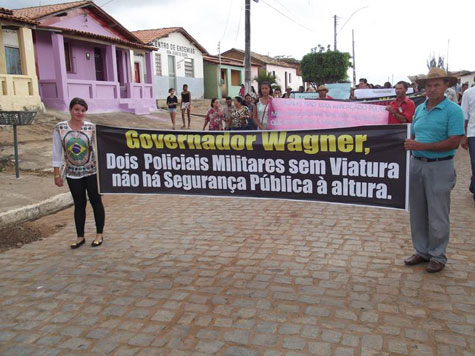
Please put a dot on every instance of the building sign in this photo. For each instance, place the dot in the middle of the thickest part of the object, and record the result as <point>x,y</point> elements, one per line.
<point>173,49</point>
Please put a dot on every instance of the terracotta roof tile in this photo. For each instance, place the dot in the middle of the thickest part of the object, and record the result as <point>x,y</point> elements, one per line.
<point>226,61</point>
<point>41,11</point>
<point>99,37</point>
<point>262,58</point>
<point>147,36</point>
<point>7,15</point>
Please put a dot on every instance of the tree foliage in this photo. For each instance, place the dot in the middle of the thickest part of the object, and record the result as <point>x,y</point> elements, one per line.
<point>324,66</point>
<point>264,76</point>
<point>287,59</point>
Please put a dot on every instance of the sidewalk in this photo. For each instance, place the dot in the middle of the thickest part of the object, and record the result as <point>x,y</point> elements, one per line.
<point>34,194</point>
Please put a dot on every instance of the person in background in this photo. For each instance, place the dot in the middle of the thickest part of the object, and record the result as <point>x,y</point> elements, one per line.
<point>387,85</point>
<point>214,117</point>
<point>261,110</point>
<point>242,91</point>
<point>437,130</point>
<point>288,93</point>
<point>363,83</point>
<point>73,141</point>
<point>253,94</point>
<point>239,115</point>
<point>414,87</point>
<point>402,109</point>
<point>227,112</point>
<point>277,93</point>
<point>468,141</point>
<point>451,94</point>
<point>322,91</point>
<point>172,101</point>
<point>462,90</point>
<point>310,89</point>
<point>185,105</point>
<point>301,89</point>
<point>250,105</point>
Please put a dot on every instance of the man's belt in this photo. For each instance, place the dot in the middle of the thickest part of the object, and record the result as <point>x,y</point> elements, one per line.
<point>433,159</point>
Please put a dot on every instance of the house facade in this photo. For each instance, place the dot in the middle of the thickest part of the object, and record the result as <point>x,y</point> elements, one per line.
<point>225,79</point>
<point>18,78</point>
<point>286,74</point>
<point>177,60</point>
<point>81,51</point>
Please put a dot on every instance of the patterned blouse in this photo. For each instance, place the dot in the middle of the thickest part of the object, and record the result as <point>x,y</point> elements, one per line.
<point>76,149</point>
<point>239,117</point>
<point>215,119</point>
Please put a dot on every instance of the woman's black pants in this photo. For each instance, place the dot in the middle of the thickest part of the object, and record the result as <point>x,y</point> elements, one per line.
<point>78,188</point>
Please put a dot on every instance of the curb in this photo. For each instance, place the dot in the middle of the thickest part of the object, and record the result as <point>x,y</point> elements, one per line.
<point>35,211</point>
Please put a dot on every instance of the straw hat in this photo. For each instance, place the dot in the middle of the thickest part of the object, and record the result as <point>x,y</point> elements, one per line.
<point>322,87</point>
<point>437,73</point>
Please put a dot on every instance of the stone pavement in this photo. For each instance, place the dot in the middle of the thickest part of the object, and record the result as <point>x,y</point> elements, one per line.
<point>201,276</point>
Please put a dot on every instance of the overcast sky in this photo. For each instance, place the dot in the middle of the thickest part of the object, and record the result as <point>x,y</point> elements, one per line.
<point>393,39</point>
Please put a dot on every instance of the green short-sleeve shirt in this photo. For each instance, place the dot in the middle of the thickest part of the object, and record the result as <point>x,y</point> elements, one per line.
<point>442,121</point>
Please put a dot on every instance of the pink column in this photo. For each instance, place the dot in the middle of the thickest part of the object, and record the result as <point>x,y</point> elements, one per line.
<point>60,66</point>
<point>111,64</point>
<point>149,65</point>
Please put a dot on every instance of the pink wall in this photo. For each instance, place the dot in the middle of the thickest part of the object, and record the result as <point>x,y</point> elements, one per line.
<point>45,59</point>
<point>82,20</point>
<point>83,68</point>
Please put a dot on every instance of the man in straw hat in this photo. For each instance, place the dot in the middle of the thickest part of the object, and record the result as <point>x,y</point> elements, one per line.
<point>322,91</point>
<point>438,127</point>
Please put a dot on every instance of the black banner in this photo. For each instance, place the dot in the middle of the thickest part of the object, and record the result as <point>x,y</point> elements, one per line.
<point>417,98</point>
<point>364,165</point>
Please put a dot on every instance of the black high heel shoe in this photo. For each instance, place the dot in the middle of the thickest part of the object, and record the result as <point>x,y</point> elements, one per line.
<point>78,244</point>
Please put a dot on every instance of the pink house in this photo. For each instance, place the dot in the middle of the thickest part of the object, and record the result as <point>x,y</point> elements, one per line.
<point>82,51</point>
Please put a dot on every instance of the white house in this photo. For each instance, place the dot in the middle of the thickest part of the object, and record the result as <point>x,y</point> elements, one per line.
<point>287,74</point>
<point>178,60</point>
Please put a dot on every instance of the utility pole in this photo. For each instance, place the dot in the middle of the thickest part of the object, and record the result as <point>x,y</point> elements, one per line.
<point>334,32</point>
<point>447,63</point>
<point>354,61</point>
<point>247,47</point>
<point>219,70</point>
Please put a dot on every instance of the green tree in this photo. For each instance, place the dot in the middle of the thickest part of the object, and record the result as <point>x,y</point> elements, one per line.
<point>324,66</point>
<point>263,76</point>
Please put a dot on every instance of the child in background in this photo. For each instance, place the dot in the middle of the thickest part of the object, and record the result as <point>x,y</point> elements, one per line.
<point>172,101</point>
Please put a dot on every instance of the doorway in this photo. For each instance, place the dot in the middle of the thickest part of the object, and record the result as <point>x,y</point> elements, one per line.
<point>224,83</point>
<point>99,63</point>
<point>171,72</point>
<point>137,72</point>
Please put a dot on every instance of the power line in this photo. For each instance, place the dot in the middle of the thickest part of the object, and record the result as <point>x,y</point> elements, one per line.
<point>286,16</point>
<point>227,20</point>
<point>285,8</point>
<point>239,24</point>
<point>107,2</point>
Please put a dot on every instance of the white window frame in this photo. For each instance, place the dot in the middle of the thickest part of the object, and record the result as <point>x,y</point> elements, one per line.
<point>158,64</point>
<point>186,65</point>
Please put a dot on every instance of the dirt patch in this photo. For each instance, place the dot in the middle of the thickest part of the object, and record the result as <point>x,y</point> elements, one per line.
<point>31,231</point>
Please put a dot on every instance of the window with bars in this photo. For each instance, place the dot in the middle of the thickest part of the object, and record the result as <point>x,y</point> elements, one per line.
<point>158,64</point>
<point>189,67</point>
<point>67,57</point>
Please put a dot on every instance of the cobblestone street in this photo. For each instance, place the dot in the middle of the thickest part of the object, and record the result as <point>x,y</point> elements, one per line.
<point>200,276</point>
